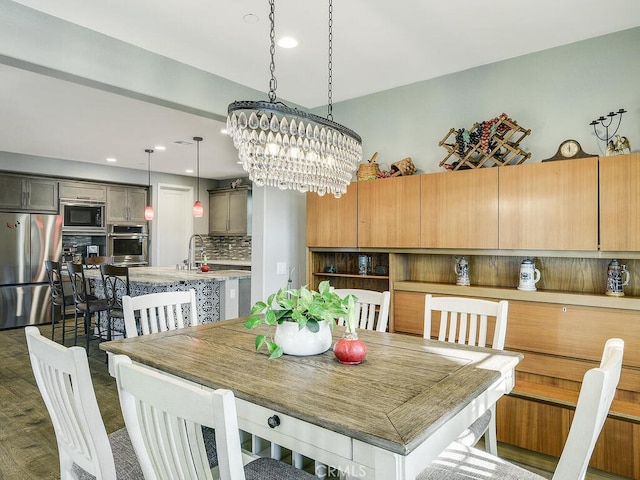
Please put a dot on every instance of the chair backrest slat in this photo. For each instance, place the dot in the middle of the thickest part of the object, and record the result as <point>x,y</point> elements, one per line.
<point>63,378</point>
<point>596,394</point>
<point>368,302</point>
<point>466,320</point>
<point>165,415</point>
<point>159,312</point>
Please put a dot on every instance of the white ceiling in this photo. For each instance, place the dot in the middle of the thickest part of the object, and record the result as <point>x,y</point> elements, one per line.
<point>377,45</point>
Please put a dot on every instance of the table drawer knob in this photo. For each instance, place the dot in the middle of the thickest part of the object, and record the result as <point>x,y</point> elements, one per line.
<point>273,421</point>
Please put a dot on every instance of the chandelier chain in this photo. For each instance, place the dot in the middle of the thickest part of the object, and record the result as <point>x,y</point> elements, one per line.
<point>149,152</point>
<point>273,83</point>
<point>330,86</point>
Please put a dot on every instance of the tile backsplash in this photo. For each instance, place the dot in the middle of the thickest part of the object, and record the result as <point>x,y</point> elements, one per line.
<point>228,248</point>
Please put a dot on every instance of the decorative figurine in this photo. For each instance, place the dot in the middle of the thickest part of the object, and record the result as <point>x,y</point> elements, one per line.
<point>462,272</point>
<point>617,278</point>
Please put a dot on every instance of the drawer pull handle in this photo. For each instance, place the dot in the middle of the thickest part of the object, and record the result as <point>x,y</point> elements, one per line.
<point>273,421</point>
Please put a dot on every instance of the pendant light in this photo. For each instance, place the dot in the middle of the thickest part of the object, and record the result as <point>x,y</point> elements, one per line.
<point>148,210</point>
<point>291,149</point>
<point>198,210</point>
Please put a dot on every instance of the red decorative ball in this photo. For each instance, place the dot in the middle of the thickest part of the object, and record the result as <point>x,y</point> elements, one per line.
<point>350,351</point>
<point>204,268</point>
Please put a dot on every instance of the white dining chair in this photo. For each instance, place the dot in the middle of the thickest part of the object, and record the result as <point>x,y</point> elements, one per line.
<point>460,462</point>
<point>466,321</point>
<point>165,417</point>
<point>85,450</point>
<point>368,302</point>
<point>159,312</point>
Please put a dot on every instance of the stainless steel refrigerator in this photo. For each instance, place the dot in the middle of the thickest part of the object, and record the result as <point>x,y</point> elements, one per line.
<point>26,241</point>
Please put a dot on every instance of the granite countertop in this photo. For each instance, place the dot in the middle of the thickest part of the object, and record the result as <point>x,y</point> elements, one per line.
<point>159,275</point>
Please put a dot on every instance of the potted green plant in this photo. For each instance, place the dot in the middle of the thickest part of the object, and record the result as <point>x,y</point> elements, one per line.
<point>299,321</point>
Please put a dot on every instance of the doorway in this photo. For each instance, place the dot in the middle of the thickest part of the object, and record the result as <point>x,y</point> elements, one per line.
<point>173,226</point>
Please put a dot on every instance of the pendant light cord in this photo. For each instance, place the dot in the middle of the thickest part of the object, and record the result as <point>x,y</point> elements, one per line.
<point>330,86</point>
<point>198,140</point>
<point>149,152</point>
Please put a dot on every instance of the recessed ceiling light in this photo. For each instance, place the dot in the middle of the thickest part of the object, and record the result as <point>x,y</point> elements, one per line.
<point>288,42</point>
<point>250,18</point>
<point>112,160</point>
<point>223,131</point>
<point>160,147</point>
<point>189,170</point>
<point>183,142</point>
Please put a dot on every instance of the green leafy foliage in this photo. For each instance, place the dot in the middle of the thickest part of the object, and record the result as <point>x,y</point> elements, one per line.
<point>303,306</point>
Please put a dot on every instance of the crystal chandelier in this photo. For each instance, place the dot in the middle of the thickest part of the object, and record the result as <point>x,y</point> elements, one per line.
<point>287,148</point>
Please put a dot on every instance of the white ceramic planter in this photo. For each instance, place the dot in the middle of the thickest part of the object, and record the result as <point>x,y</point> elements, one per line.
<point>303,342</point>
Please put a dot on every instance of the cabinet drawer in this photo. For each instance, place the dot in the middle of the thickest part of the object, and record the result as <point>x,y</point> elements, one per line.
<point>292,433</point>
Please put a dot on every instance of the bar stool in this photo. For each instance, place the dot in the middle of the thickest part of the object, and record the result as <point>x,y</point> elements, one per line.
<point>58,297</point>
<point>85,303</point>
<point>115,281</point>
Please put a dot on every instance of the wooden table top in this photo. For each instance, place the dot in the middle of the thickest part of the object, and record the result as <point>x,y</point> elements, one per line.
<point>405,389</point>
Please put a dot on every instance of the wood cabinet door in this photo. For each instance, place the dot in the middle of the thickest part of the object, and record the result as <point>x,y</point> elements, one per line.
<point>238,212</point>
<point>620,203</point>
<point>389,212</point>
<point>331,221</point>
<point>83,191</point>
<point>137,201</point>
<point>43,195</point>
<point>116,204</point>
<point>12,195</point>
<point>549,206</point>
<point>460,209</point>
<point>218,213</point>
<point>408,312</point>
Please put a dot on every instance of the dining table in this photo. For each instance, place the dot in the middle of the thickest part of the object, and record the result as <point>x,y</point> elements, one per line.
<point>386,418</point>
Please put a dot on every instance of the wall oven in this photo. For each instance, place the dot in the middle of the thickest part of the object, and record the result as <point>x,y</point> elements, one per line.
<point>83,217</point>
<point>128,244</point>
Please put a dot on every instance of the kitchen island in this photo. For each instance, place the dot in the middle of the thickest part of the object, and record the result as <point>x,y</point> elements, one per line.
<point>220,294</point>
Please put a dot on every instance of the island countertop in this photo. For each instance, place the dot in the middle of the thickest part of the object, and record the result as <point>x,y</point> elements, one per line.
<point>166,275</point>
<point>218,292</point>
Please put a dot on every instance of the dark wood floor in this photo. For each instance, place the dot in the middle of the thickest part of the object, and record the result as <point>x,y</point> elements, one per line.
<point>28,449</point>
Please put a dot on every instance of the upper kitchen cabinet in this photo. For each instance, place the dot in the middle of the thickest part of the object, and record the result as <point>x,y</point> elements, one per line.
<point>126,204</point>
<point>331,221</point>
<point>230,211</point>
<point>620,203</point>
<point>549,206</point>
<point>28,194</point>
<point>389,212</point>
<point>83,191</point>
<point>460,209</point>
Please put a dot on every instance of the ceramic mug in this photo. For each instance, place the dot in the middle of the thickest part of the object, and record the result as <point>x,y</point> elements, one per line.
<point>529,275</point>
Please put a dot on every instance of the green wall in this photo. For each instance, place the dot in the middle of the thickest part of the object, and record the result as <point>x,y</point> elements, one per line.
<point>554,93</point>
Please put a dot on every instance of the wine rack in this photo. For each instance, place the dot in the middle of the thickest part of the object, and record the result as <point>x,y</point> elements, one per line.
<point>500,147</point>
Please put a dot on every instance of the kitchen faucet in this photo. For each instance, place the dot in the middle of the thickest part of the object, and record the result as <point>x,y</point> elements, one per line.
<point>191,259</point>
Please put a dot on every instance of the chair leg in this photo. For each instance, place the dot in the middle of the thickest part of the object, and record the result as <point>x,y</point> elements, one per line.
<point>53,322</point>
<point>75,335</point>
<point>87,328</point>
<point>63,319</point>
<point>490,440</point>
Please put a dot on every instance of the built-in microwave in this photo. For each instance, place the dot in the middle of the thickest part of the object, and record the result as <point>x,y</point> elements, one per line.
<point>83,217</point>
